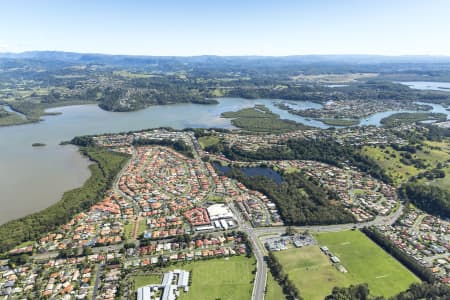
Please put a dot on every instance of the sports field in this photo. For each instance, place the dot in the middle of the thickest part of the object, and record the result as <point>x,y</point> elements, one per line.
<point>311,271</point>
<point>217,278</point>
<point>365,262</point>
<point>221,279</point>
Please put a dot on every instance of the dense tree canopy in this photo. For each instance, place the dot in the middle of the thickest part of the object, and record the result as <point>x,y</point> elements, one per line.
<point>299,199</point>
<point>74,201</point>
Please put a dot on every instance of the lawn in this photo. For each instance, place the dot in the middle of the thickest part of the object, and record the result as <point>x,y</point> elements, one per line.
<point>273,289</point>
<point>128,229</point>
<point>142,226</point>
<point>365,262</point>
<point>143,280</point>
<point>221,278</point>
<point>311,271</point>
<point>209,140</point>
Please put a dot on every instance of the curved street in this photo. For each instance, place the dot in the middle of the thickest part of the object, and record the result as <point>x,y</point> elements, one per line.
<point>259,286</point>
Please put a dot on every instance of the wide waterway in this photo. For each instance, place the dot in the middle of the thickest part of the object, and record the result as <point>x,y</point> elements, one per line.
<point>428,85</point>
<point>33,178</point>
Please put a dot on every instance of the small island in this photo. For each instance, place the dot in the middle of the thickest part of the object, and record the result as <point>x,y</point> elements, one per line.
<point>38,145</point>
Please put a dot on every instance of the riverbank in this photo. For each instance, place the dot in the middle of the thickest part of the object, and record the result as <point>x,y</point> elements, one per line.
<point>8,117</point>
<point>107,166</point>
<point>27,189</point>
<point>261,119</point>
<point>20,113</point>
<point>409,118</point>
<point>341,122</point>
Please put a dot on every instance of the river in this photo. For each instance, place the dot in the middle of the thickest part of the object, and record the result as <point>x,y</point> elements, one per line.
<point>428,85</point>
<point>33,178</point>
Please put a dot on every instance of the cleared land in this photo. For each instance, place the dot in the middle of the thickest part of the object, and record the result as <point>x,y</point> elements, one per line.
<point>225,279</point>
<point>315,276</point>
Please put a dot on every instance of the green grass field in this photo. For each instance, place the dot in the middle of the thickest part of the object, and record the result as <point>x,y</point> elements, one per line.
<point>143,280</point>
<point>128,229</point>
<point>142,226</point>
<point>208,140</point>
<point>432,154</point>
<point>221,278</point>
<point>273,289</point>
<point>390,162</point>
<point>365,262</point>
<point>311,271</point>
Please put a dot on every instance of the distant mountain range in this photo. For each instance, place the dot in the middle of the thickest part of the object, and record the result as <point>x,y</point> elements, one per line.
<point>211,65</point>
<point>306,59</point>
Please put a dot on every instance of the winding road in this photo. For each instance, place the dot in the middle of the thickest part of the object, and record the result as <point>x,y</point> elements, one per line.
<point>259,286</point>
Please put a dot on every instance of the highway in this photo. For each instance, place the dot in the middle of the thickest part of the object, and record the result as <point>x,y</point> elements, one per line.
<point>259,285</point>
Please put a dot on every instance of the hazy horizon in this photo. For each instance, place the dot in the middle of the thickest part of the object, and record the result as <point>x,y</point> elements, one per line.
<point>235,55</point>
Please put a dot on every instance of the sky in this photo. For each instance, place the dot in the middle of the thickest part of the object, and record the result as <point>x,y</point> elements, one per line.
<point>227,27</point>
